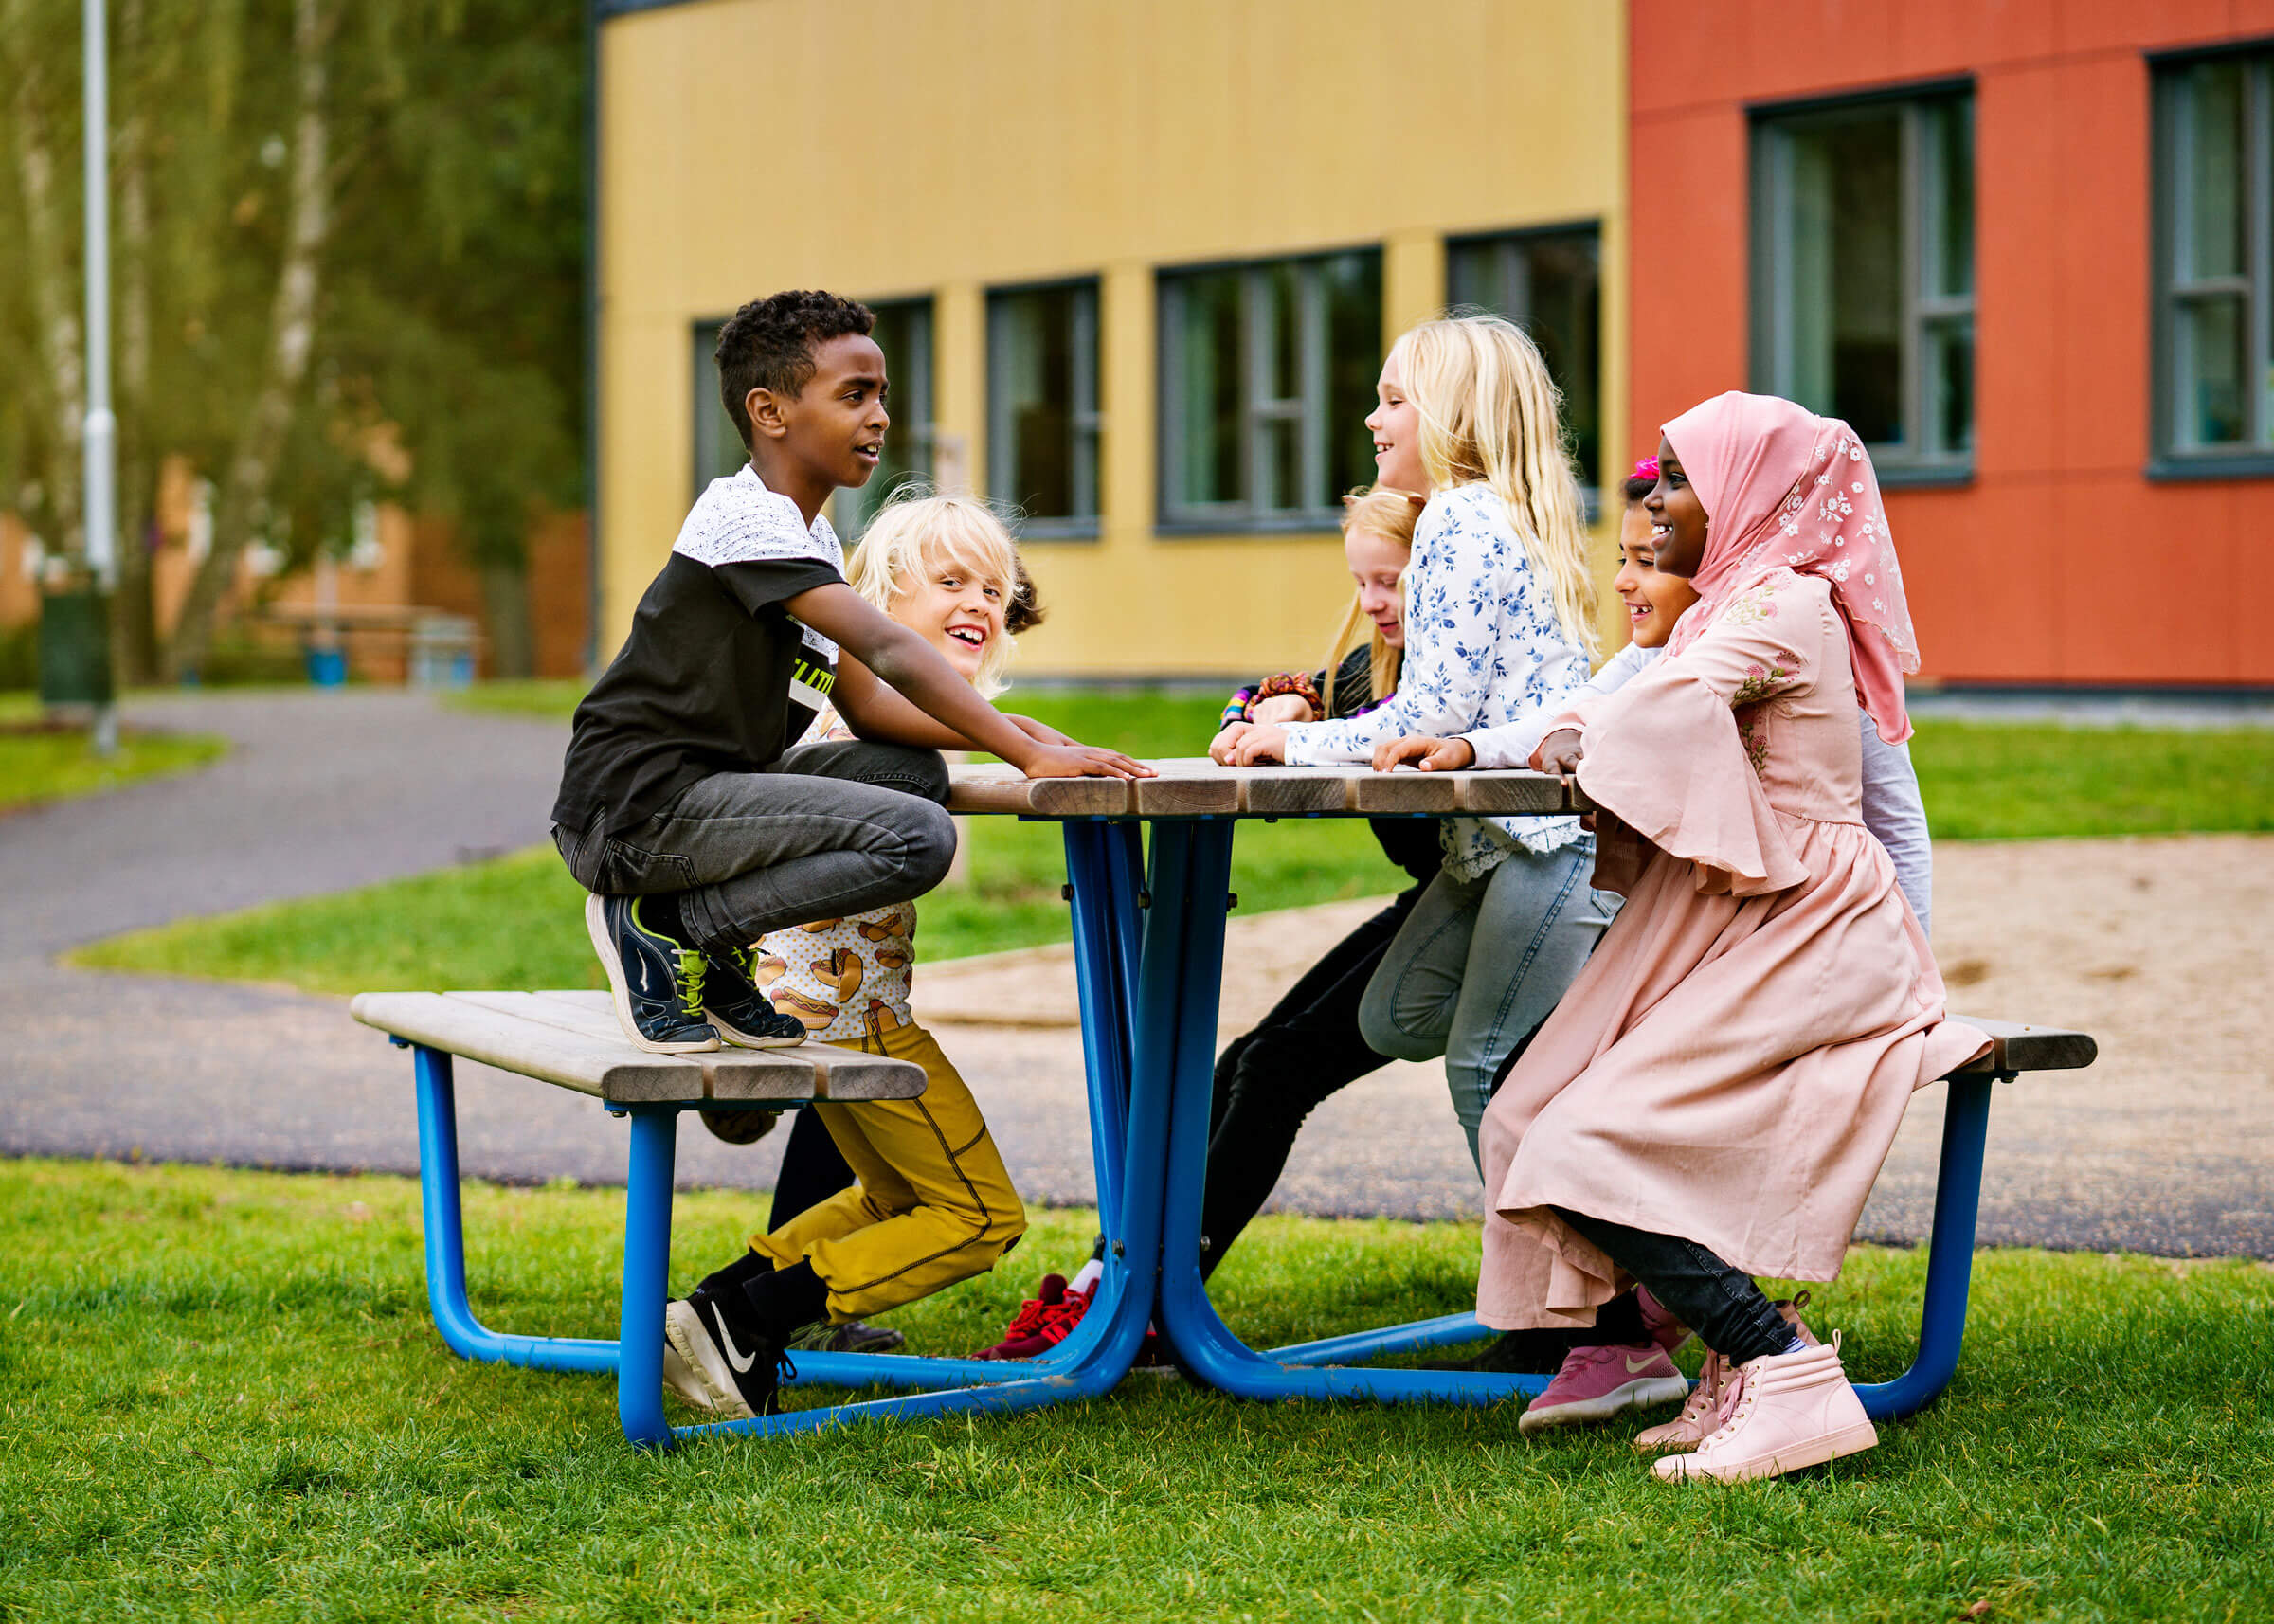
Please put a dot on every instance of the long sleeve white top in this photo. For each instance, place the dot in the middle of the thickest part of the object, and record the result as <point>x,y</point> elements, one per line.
<point>1893,810</point>
<point>1482,648</point>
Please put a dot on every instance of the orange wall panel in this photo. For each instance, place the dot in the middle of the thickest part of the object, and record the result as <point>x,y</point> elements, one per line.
<point>2060,560</point>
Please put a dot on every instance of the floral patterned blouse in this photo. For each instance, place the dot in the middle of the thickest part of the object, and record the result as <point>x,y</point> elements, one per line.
<point>1482,648</point>
<point>843,977</point>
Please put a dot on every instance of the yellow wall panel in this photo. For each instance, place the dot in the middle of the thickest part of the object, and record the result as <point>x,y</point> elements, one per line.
<point>943,147</point>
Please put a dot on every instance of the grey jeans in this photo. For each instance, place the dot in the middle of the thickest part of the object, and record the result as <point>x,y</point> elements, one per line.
<point>828,830</point>
<point>1481,963</point>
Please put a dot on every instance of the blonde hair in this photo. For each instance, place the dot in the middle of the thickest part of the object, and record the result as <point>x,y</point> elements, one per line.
<point>915,533</point>
<point>1390,513</point>
<point>1490,414</point>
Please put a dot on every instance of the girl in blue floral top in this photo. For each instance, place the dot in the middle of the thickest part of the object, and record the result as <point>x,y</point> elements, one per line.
<point>1500,612</point>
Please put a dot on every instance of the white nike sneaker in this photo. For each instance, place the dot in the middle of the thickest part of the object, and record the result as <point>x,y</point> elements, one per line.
<point>735,1363</point>
<point>680,1377</point>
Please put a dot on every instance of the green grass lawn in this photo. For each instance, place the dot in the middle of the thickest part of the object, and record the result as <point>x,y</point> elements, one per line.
<point>38,765</point>
<point>516,921</point>
<point>223,1398</point>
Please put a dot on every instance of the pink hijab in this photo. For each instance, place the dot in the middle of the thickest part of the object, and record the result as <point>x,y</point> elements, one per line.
<point>1787,489</point>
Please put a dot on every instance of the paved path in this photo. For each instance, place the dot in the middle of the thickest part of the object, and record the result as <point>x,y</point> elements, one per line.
<point>2168,1145</point>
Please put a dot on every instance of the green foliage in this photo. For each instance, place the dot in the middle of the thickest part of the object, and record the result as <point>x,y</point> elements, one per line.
<point>40,764</point>
<point>450,309</point>
<point>223,1398</point>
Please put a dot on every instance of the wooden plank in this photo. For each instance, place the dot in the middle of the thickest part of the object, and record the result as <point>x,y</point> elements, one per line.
<point>994,788</point>
<point>1187,786</point>
<point>1506,794</point>
<point>1406,791</point>
<point>1284,791</point>
<point>2015,1046</point>
<point>808,1072</point>
<point>615,1071</point>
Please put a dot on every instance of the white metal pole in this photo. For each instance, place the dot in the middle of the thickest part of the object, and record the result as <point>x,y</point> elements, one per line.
<point>101,429</point>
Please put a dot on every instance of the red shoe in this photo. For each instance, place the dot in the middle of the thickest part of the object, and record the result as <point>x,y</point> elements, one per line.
<point>1022,1338</point>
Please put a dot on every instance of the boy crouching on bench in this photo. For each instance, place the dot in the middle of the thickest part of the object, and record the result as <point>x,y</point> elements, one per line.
<point>683,808</point>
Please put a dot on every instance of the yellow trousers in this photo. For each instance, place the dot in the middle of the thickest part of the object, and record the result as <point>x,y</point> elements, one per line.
<point>934,1205</point>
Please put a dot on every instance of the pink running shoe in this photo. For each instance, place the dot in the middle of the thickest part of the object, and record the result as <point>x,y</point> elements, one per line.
<point>1022,1338</point>
<point>1597,1383</point>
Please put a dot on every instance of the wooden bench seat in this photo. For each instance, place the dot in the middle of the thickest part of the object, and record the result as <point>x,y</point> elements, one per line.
<point>2016,1046</point>
<point>572,1039</point>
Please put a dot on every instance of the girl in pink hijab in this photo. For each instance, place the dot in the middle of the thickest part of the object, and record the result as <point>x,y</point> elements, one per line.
<point>1714,1097</point>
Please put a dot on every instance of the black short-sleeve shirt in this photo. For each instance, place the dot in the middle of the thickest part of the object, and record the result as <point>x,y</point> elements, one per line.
<point>716,677</point>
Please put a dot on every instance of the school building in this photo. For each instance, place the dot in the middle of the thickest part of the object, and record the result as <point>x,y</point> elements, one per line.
<point>1135,270</point>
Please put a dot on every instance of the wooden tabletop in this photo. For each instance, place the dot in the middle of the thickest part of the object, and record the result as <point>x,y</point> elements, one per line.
<point>1194,786</point>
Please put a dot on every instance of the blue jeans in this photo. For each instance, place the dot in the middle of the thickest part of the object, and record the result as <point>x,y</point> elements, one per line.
<point>1481,963</point>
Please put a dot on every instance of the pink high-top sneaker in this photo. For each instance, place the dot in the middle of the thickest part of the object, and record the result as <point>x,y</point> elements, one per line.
<point>1781,1413</point>
<point>1698,1417</point>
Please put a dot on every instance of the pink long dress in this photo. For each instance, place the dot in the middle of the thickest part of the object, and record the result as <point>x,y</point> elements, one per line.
<point>1733,1062</point>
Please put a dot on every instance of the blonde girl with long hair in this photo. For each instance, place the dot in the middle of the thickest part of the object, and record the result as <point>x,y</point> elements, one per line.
<point>1269,1079</point>
<point>1500,612</point>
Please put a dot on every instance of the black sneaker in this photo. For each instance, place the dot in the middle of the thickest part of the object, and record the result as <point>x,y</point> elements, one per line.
<point>732,1003</point>
<point>658,982</point>
<point>1515,1353</point>
<point>854,1336</point>
<point>739,1368</point>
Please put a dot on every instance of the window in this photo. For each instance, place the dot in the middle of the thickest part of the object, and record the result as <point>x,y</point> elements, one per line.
<point>1042,417</point>
<point>2213,340</point>
<point>1548,283</point>
<point>903,332</point>
<point>1863,282</point>
<point>1267,375</point>
<point>718,448</point>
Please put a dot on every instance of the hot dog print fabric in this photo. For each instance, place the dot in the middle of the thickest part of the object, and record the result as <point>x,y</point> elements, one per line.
<point>843,977</point>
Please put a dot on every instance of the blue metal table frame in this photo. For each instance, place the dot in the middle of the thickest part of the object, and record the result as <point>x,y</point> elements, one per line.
<point>1149,955</point>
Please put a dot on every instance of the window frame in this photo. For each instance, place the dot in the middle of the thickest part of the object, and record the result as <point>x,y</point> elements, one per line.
<point>850,510</point>
<point>1173,517</point>
<point>2169,152</point>
<point>1089,420</point>
<point>703,333</point>
<point>1506,243</point>
<point>1772,359</point>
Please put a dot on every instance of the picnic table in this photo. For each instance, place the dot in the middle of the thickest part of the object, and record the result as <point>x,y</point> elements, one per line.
<point>1148,938</point>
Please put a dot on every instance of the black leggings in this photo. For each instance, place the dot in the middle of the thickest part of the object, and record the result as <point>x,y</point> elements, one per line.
<point>812,1170</point>
<point>1722,1304</point>
<point>1269,1080</point>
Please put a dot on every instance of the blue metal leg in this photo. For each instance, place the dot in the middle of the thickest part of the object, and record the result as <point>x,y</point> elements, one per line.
<point>1099,1353</point>
<point>1949,1255</point>
<point>1098,861</point>
<point>646,1276</point>
<point>446,1243</point>
<point>1192,863</point>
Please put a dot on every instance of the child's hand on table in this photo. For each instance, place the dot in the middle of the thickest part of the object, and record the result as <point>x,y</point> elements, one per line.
<point>1560,752</point>
<point>1257,743</point>
<point>1083,761</point>
<point>1427,755</point>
